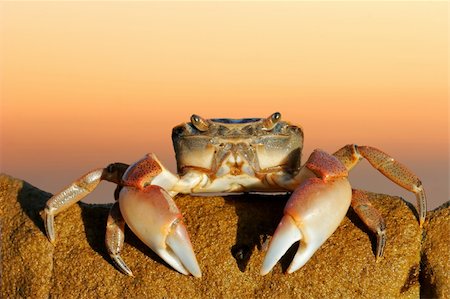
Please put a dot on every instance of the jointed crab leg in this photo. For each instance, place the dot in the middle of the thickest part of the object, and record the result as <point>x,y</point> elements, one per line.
<point>61,201</point>
<point>351,154</point>
<point>371,218</point>
<point>115,237</point>
<point>77,191</point>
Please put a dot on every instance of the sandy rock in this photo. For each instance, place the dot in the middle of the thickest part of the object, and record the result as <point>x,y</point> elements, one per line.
<point>435,272</point>
<point>228,236</point>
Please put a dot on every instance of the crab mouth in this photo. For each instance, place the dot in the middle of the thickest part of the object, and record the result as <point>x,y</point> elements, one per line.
<point>234,164</point>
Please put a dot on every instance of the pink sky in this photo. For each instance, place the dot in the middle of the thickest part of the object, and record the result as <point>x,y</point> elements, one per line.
<point>84,84</point>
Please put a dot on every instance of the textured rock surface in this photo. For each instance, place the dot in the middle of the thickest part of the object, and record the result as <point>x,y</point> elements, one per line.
<point>228,237</point>
<point>435,272</point>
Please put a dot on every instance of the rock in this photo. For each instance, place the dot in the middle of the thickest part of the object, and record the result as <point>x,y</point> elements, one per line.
<point>228,235</point>
<point>435,272</point>
<point>26,259</point>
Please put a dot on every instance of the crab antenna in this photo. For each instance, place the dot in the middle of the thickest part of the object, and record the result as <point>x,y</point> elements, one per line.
<point>200,123</point>
<point>271,121</point>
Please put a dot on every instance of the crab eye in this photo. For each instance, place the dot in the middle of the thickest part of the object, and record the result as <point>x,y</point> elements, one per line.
<point>271,121</point>
<point>276,116</point>
<point>200,123</point>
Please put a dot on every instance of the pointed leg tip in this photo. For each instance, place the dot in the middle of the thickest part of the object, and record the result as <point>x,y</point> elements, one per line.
<point>117,259</point>
<point>50,235</point>
<point>48,219</point>
<point>130,274</point>
<point>421,222</point>
<point>379,254</point>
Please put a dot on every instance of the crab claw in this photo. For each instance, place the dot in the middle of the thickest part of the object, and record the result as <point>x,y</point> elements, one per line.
<point>154,218</point>
<point>312,214</point>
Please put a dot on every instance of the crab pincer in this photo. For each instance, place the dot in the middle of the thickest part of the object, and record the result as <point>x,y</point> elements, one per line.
<point>312,213</point>
<point>155,219</point>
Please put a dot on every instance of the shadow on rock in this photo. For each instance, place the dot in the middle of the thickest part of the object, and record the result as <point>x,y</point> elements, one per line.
<point>354,218</point>
<point>258,217</point>
<point>32,201</point>
<point>94,218</point>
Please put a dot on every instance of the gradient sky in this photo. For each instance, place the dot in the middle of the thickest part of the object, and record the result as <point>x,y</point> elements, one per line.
<point>84,84</point>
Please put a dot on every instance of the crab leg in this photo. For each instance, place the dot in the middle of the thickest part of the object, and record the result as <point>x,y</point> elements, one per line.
<point>77,191</point>
<point>153,216</point>
<point>115,236</point>
<point>70,195</point>
<point>371,218</point>
<point>313,212</point>
<point>351,154</point>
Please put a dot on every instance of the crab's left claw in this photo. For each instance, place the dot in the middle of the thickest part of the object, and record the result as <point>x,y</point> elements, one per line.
<point>312,214</point>
<point>153,216</point>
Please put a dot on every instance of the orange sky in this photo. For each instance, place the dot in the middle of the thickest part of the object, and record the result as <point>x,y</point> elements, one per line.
<point>88,83</point>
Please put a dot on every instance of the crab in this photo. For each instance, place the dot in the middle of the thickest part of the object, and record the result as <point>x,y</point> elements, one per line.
<point>231,156</point>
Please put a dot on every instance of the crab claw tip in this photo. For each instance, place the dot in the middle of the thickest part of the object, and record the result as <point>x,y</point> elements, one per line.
<point>154,218</point>
<point>179,243</point>
<point>286,234</point>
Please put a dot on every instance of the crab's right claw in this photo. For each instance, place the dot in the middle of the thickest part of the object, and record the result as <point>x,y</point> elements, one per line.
<point>312,214</point>
<point>153,216</point>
